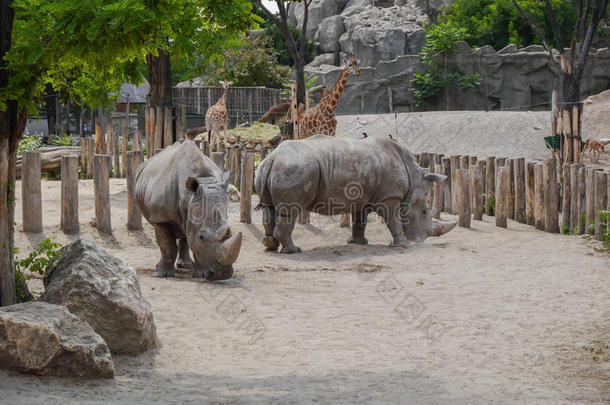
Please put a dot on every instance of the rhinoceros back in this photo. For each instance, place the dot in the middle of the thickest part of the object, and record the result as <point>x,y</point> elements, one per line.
<point>161,181</point>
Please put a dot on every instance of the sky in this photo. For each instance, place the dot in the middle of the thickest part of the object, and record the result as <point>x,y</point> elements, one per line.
<point>270,4</point>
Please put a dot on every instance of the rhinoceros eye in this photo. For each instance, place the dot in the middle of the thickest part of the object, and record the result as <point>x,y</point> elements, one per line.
<point>424,211</point>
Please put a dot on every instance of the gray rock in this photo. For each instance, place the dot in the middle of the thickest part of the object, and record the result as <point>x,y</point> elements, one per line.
<point>329,32</point>
<point>46,339</point>
<point>318,10</point>
<point>533,48</point>
<point>510,48</point>
<point>358,3</point>
<point>463,48</point>
<point>322,59</point>
<point>103,291</point>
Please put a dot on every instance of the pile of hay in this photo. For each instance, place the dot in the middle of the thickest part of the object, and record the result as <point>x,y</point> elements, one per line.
<point>261,131</point>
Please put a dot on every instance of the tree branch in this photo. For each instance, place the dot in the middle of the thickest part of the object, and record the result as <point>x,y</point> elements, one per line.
<point>536,30</point>
<point>306,4</point>
<point>554,24</point>
<point>271,16</point>
<point>597,13</point>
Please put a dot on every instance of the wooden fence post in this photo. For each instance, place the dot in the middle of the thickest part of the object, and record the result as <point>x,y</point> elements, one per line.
<point>134,216</point>
<point>590,196</point>
<point>539,197</point>
<point>101,192</point>
<point>490,183</point>
<point>438,193</point>
<point>247,178</point>
<point>574,187</point>
<point>582,200</point>
<point>99,138</point>
<point>601,184</point>
<point>447,185</point>
<point>455,165</point>
<point>530,194</point>
<point>520,190</point>
<point>237,163</point>
<point>566,197</point>
<point>83,154</point>
<point>90,153</point>
<point>158,136</point>
<point>502,184</point>
<point>481,164</point>
<point>463,189</point>
<point>69,195</point>
<point>476,189</point>
<point>511,189</point>
<point>124,146</point>
<point>473,161</point>
<point>168,133</point>
<point>551,209</point>
<point>137,141</point>
<point>31,197</point>
<point>219,159</point>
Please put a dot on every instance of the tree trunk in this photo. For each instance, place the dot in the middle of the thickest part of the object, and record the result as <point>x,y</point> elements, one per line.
<point>300,75</point>
<point>50,107</point>
<point>569,89</point>
<point>160,73</point>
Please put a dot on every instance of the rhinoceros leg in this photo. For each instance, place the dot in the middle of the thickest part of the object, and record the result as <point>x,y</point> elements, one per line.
<point>269,224</point>
<point>167,244</point>
<point>358,226</point>
<point>391,215</point>
<point>283,233</point>
<point>184,257</point>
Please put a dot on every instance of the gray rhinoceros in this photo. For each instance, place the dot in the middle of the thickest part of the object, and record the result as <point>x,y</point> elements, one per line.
<point>330,176</point>
<point>183,195</point>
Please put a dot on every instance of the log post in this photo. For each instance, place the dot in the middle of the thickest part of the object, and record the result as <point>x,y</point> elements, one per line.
<point>463,189</point>
<point>502,184</point>
<point>137,141</point>
<point>511,189</point>
<point>576,133</point>
<point>566,196</point>
<point>83,154</point>
<point>438,193</point>
<point>476,189</point>
<point>247,178</point>
<point>447,185</point>
<point>520,191</point>
<point>530,194</point>
<point>567,130</point>
<point>168,133</point>
<point>90,153</point>
<point>539,197</point>
<point>464,162</point>
<point>31,197</point>
<point>219,159</point>
<point>134,216</point>
<point>99,138</point>
<point>116,166</point>
<point>101,192</point>
<point>590,197</point>
<point>158,136</point>
<point>473,161</point>
<point>124,146</point>
<point>481,164</point>
<point>574,187</point>
<point>582,200</point>
<point>237,163</point>
<point>551,209</point>
<point>490,183</point>
<point>455,165</point>
<point>69,195</point>
<point>601,184</point>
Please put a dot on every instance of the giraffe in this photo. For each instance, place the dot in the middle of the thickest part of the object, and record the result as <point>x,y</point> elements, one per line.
<point>320,120</point>
<point>217,117</point>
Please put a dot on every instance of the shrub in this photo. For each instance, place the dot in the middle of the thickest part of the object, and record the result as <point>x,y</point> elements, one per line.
<point>36,262</point>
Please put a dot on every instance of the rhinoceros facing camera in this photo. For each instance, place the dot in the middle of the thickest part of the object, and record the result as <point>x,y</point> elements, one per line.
<point>183,194</point>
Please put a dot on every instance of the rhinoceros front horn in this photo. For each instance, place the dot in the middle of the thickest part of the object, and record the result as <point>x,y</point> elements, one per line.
<point>441,227</point>
<point>229,250</point>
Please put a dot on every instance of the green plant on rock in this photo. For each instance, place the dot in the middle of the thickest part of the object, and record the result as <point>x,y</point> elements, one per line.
<point>28,144</point>
<point>441,40</point>
<point>35,263</point>
<point>65,140</point>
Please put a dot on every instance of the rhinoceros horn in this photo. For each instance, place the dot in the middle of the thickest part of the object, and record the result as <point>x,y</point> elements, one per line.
<point>439,228</point>
<point>229,250</point>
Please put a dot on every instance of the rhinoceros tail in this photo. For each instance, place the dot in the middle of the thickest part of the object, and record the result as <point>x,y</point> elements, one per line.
<point>260,181</point>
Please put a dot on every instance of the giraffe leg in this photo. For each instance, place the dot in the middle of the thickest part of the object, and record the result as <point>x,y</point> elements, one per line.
<point>269,224</point>
<point>283,232</point>
<point>358,226</point>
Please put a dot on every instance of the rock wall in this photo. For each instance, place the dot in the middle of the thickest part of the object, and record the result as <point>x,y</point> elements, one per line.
<point>511,79</point>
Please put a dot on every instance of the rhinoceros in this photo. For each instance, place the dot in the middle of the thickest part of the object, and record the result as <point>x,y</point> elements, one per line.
<point>183,194</point>
<point>330,176</point>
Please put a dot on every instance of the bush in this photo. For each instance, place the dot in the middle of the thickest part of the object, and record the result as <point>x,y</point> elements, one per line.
<point>28,144</point>
<point>65,140</point>
<point>36,262</point>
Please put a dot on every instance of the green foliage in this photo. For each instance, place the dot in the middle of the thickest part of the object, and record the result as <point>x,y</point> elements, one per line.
<point>65,140</point>
<point>37,261</point>
<point>565,229</point>
<point>498,23</point>
<point>254,64</point>
<point>440,41</point>
<point>311,85</point>
<point>491,203</point>
<point>28,144</point>
<point>605,217</point>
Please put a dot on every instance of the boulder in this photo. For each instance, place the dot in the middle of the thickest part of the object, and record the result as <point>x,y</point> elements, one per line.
<point>328,34</point>
<point>358,3</point>
<point>318,11</point>
<point>103,291</point>
<point>322,59</point>
<point>510,48</point>
<point>46,339</point>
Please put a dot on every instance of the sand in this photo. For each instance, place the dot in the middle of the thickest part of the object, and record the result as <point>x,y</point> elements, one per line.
<point>478,316</point>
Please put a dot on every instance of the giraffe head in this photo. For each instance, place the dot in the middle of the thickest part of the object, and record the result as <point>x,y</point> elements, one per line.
<point>225,84</point>
<point>352,66</point>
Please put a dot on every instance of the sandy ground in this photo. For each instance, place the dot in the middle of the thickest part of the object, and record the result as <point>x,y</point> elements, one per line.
<point>479,316</point>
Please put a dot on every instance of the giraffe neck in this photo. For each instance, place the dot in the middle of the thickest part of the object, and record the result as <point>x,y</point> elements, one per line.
<point>223,98</point>
<point>332,98</point>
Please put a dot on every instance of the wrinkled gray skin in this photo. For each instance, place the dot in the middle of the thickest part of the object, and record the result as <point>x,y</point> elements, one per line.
<point>183,194</point>
<point>331,176</point>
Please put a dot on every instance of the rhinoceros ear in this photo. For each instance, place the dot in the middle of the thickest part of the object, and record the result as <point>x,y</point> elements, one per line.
<point>434,178</point>
<point>226,179</point>
<point>192,184</point>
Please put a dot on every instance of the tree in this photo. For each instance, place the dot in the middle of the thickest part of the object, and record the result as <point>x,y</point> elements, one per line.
<point>297,52</point>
